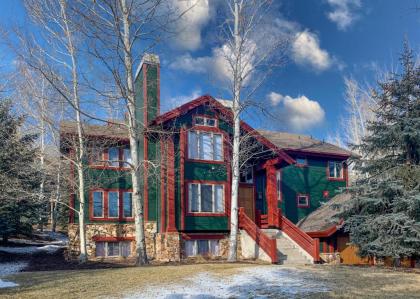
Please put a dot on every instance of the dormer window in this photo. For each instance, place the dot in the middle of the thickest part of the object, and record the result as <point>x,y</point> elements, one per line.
<point>205,121</point>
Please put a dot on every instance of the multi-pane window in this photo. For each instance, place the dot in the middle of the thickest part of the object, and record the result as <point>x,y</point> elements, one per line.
<point>246,176</point>
<point>205,146</point>
<point>201,247</point>
<point>115,156</point>
<point>113,204</point>
<point>127,204</point>
<point>112,249</point>
<point>98,203</point>
<point>205,198</point>
<point>96,156</point>
<point>303,201</point>
<point>278,184</point>
<point>205,121</point>
<point>335,169</point>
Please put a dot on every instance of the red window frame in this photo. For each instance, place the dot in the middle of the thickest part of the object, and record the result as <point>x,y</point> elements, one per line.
<point>105,157</point>
<point>105,212</point>
<point>216,122</point>
<point>299,205</point>
<point>343,171</point>
<point>206,129</point>
<point>216,214</point>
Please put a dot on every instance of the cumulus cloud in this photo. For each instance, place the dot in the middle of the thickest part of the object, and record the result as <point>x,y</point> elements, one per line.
<point>195,15</point>
<point>343,12</point>
<point>299,113</point>
<point>306,50</point>
<point>217,64</point>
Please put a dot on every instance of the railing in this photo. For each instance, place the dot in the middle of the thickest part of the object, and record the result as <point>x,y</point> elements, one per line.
<point>262,240</point>
<point>308,244</point>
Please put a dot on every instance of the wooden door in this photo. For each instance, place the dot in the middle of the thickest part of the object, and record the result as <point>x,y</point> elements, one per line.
<point>246,200</point>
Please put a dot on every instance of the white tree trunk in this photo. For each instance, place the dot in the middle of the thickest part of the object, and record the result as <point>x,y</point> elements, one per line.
<point>141,256</point>
<point>233,242</point>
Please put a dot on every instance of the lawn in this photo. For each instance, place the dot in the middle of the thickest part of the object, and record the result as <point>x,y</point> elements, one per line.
<point>217,280</point>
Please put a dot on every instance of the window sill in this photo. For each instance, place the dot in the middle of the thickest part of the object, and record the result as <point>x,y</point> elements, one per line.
<point>117,168</point>
<point>205,161</point>
<point>114,219</point>
<point>206,214</point>
<point>336,179</point>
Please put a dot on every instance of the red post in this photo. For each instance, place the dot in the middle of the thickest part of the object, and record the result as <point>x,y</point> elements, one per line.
<point>171,186</point>
<point>316,250</point>
<point>271,195</point>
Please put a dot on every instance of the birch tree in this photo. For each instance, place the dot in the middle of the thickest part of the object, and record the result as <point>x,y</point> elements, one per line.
<point>252,49</point>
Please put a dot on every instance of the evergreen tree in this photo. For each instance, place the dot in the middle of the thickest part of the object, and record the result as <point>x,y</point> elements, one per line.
<point>19,178</point>
<point>383,218</point>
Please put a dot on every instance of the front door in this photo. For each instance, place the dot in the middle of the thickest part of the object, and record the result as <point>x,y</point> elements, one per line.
<point>246,200</point>
<point>260,201</point>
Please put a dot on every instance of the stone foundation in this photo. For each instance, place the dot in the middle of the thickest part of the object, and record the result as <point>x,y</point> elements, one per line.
<point>168,247</point>
<point>331,258</point>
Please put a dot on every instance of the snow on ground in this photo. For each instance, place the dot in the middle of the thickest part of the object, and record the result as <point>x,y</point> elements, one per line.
<point>30,249</point>
<point>10,268</point>
<point>260,282</point>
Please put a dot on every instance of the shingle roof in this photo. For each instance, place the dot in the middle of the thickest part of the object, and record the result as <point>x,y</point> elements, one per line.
<point>304,143</point>
<point>109,130</point>
<point>324,217</point>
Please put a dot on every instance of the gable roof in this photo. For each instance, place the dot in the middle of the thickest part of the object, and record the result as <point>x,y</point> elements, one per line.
<point>303,143</point>
<point>323,220</point>
<point>224,107</point>
<point>109,130</point>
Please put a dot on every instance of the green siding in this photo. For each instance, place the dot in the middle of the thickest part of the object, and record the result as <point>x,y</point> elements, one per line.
<point>206,223</point>
<point>311,180</point>
<point>205,171</point>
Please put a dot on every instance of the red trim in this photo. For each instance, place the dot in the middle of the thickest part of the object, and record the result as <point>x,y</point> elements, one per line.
<point>105,157</point>
<point>207,214</point>
<point>219,107</point>
<point>342,178</point>
<point>98,238</point>
<point>316,154</point>
<point>212,130</point>
<point>189,236</point>
<point>327,232</point>
<point>163,193</point>
<point>146,147</point>
<point>271,196</point>
<point>307,200</point>
<point>171,186</point>
<point>105,217</point>
<point>182,148</point>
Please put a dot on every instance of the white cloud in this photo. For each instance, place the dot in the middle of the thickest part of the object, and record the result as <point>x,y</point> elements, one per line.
<point>195,15</point>
<point>180,99</point>
<point>299,113</point>
<point>217,65</point>
<point>307,51</point>
<point>343,12</point>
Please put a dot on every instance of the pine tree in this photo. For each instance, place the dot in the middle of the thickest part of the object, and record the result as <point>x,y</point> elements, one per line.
<point>383,218</point>
<point>19,179</point>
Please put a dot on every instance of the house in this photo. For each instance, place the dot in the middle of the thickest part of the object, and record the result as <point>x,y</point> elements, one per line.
<point>187,183</point>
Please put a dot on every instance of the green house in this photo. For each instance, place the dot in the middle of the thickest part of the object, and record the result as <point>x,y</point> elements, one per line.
<point>186,180</point>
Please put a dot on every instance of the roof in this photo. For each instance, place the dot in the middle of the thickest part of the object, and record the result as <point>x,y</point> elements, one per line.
<point>324,218</point>
<point>109,130</point>
<point>303,143</point>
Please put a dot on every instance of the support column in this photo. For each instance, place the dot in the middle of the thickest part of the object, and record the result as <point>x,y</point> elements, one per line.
<point>171,186</point>
<point>271,195</point>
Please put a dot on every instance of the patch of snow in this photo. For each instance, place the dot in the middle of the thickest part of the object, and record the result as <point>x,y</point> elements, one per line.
<point>10,268</point>
<point>30,249</point>
<point>261,282</point>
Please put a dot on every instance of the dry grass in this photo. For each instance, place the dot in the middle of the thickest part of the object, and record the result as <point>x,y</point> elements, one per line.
<point>344,282</point>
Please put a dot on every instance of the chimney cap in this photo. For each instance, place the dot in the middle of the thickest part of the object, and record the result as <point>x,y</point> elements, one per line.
<point>148,58</point>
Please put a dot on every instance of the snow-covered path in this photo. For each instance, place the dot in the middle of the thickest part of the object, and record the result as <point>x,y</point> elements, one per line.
<point>253,282</point>
<point>10,268</point>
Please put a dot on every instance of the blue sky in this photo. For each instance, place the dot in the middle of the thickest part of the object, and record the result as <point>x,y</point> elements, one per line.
<point>330,39</point>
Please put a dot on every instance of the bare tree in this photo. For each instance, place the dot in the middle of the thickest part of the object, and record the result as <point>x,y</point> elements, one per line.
<point>251,50</point>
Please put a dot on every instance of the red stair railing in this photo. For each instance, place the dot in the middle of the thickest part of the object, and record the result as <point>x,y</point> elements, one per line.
<point>267,244</point>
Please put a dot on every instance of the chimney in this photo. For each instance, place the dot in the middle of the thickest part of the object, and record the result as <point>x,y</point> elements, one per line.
<point>147,87</point>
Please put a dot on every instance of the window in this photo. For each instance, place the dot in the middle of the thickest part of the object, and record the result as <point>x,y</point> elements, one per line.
<point>278,184</point>
<point>205,198</point>
<point>205,146</point>
<point>114,157</point>
<point>127,157</point>
<point>113,204</point>
<point>98,204</point>
<point>335,169</point>
<point>303,201</point>
<point>205,121</point>
<point>201,247</point>
<point>96,156</point>
<point>112,249</point>
<point>301,161</point>
<point>127,204</point>
<point>246,176</point>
